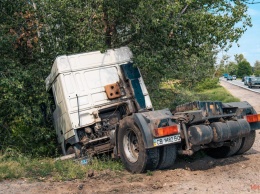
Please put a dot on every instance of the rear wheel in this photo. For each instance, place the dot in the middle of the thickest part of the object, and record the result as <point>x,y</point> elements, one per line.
<point>225,151</point>
<point>247,142</point>
<point>167,156</point>
<point>134,156</point>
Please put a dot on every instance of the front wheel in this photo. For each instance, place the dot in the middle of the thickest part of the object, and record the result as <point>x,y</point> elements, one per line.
<point>75,149</point>
<point>134,156</point>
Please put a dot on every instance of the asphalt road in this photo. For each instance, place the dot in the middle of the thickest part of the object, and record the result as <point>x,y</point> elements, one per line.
<point>241,84</point>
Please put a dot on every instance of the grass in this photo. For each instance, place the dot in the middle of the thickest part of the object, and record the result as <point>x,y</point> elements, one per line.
<point>218,94</point>
<point>35,168</point>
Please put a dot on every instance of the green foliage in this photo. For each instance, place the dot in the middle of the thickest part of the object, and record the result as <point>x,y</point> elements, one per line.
<point>244,69</point>
<point>149,173</point>
<point>23,123</point>
<point>232,68</point>
<point>217,94</point>
<point>239,58</point>
<point>257,68</point>
<point>207,84</point>
<point>183,95</point>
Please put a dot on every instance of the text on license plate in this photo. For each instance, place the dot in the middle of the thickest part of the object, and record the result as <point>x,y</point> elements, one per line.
<point>167,140</point>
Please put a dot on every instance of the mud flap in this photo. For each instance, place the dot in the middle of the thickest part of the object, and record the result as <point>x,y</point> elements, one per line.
<point>148,121</point>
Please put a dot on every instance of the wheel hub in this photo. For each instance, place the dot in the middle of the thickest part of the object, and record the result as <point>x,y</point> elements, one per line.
<point>131,146</point>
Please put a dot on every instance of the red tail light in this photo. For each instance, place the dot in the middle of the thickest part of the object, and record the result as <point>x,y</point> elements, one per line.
<point>164,131</point>
<point>252,118</point>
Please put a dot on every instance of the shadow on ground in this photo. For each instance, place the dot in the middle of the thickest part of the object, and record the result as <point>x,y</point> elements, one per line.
<point>201,161</point>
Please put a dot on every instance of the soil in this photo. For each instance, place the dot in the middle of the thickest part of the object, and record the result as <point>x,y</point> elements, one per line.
<point>198,174</point>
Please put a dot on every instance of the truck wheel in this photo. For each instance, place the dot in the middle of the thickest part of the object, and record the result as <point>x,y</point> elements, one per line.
<point>167,156</point>
<point>247,142</point>
<point>225,151</point>
<point>77,150</point>
<point>74,149</point>
<point>134,156</point>
<point>70,150</point>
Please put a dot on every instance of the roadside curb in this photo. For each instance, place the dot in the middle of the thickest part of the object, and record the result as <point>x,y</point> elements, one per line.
<point>240,86</point>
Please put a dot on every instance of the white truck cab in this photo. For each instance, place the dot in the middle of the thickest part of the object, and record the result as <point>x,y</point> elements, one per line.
<point>90,86</point>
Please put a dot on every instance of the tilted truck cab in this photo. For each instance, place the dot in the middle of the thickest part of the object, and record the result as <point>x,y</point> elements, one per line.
<point>101,104</point>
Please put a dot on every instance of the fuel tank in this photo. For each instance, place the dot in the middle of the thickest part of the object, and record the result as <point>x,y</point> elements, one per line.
<point>200,134</point>
<point>218,131</point>
<point>223,131</point>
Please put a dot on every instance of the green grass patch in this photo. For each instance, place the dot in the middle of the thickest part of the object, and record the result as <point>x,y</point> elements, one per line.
<point>10,170</point>
<point>218,94</point>
<point>12,167</point>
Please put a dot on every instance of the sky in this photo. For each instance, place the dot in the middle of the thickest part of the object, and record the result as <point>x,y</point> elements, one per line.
<point>249,43</point>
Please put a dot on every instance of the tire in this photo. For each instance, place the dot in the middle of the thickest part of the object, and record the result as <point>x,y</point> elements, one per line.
<point>247,142</point>
<point>75,149</point>
<point>134,156</point>
<point>70,150</point>
<point>167,156</point>
<point>225,151</point>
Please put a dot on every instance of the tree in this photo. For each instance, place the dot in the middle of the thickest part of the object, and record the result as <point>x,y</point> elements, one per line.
<point>244,69</point>
<point>22,124</point>
<point>257,68</point>
<point>232,68</point>
<point>164,35</point>
<point>239,58</point>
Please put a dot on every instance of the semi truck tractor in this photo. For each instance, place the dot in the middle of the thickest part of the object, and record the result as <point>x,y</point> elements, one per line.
<point>100,104</point>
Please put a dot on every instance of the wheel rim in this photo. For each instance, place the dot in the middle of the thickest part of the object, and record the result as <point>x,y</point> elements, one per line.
<point>131,146</point>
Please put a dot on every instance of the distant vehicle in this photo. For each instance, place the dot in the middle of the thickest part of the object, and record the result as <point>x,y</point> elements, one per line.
<point>253,82</point>
<point>229,77</point>
<point>246,78</point>
<point>234,77</point>
<point>225,75</point>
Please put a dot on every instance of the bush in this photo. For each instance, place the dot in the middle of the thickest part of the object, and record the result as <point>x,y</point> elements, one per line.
<point>182,96</point>
<point>208,83</point>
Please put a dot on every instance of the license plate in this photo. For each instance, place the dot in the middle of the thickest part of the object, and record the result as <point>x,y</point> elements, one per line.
<point>167,140</point>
